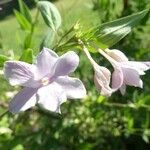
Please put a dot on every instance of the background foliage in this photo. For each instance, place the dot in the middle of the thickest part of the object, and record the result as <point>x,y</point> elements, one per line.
<point>118,122</point>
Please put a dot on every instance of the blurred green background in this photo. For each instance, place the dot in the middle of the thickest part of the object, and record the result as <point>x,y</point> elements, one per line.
<point>115,123</point>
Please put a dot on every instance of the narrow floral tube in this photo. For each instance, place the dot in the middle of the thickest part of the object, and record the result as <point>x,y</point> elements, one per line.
<point>101,75</point>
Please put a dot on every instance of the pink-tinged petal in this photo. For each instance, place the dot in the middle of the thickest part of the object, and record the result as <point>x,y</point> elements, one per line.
<point>104,90</point>
<point>131,70</point>
<point>147,64</point>
<point>139,66</point>
<point>131,77</point>
<point>66,64</point>
<point>19,73</point>
<point>50,97</point>
<point>24,100</point>
<point>102,73</point>
<point>117,55</point>
<point>123,89</point>
<point>117,78</point>
<point>73,87</point>
<point>45,62</point>
<point>102,80</point>
<point>106,73</point>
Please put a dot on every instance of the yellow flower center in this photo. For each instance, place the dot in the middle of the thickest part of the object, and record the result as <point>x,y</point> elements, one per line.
<point>45,81</point>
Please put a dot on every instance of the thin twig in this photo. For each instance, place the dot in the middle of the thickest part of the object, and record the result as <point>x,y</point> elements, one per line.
<point>130,105</point>
<point>3,104</point>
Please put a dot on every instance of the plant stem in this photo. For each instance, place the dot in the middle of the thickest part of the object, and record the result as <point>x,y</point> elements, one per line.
<point>3,114</point>
<point>34,23</point>
<point>32,30</point>
<point>86,52</point>
<point>70,30</point>
<point>134,106</point>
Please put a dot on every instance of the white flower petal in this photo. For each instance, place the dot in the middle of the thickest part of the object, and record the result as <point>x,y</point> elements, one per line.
<point>147,63</point>
<point>73,87</point>
<point>102,72</point>
<point>66,64</point>
<point>104,90</point>
<point>50,97</point>
<point>102,80</point>
<point>19,73</point>
<point>131,77</point>
<point>45,62</point>
<point>25,99</point>
<point>141,83</point>
<point>139,66</point>
<point>117,55</point>
<point>117,78</point>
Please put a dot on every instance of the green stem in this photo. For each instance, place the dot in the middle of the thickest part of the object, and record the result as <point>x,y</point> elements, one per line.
<point>70,30</point>
<point>34,23</point>
<point>32,30</point>
<point>3,114</point>
<point>135,131</point>
<point>126,105</point>
<point>86,52</point>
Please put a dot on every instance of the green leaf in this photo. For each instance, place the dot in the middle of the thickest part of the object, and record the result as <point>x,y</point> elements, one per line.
<point>145,138</point>
<point>24,10</point>
<point>112,32</point>
<point>28,41</point>
<point>23,22</point>
<point>5,130</point>
<point>50,14</point>
<point>27,56</point>
<point>3,59</point>
<point>48,40</point>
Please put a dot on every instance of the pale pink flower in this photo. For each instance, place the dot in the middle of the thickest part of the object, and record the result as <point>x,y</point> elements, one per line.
<point>125,72</point>
<point>46,82</point>
<point>102,80</point>
<point>101,76</point>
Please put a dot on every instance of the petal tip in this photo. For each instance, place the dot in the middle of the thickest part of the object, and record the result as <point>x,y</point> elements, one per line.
<point>73,56</point>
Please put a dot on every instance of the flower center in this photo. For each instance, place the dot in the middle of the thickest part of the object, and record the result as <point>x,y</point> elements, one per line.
<point>45,81</point>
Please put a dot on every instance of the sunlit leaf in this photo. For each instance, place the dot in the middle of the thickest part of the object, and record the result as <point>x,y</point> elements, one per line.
<point>50,14</point>
<point>112,32</point>
<point>24,10</point>
<point>5,130</point>
<point>28,41</point>
<point>145,138</point>
<point>23,22</point>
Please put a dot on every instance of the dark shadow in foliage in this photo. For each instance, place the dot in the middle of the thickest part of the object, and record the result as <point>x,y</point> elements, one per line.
<point>7,7</point>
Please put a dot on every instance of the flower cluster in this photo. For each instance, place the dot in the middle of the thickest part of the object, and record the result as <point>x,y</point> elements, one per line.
<point>46,82</point>
<point>125,72</point>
